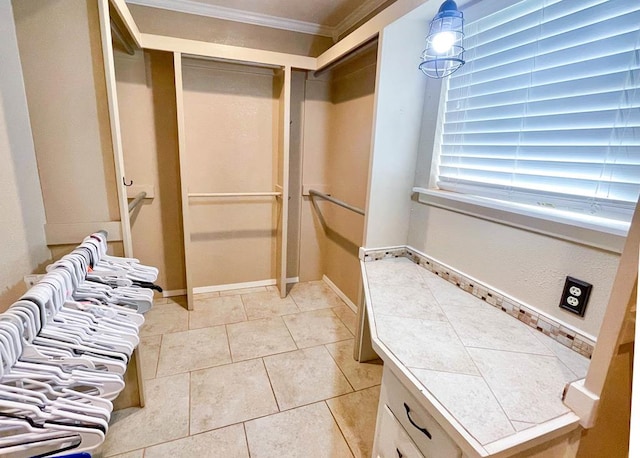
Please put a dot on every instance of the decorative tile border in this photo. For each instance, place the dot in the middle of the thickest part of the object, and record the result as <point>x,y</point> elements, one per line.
<point>567,337</point>
<point>376,255</point>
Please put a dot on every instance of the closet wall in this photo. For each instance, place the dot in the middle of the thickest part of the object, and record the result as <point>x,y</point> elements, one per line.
<point>23,249</point>
<point>337,144</point>
<point>147,103</point>
<point>61,56</point>
<point>232,120</point>
<point>232,116</point>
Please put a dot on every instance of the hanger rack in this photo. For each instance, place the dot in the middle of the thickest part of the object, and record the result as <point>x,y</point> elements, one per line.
<point>340,203</point>
<point>236,194</point>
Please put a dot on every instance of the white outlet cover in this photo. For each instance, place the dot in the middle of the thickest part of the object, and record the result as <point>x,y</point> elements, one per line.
<point>572,301</point>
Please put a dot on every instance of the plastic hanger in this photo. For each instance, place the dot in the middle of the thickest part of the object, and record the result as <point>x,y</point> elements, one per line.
<point>36,442</point>
<point>65,345</point>
<point>91,429</point>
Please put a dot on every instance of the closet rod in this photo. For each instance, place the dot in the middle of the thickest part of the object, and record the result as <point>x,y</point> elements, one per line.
<point>361,49</point>
<point>137,200</point>
<point>235,194</point>
<point>118,35</point>
<point>313,192</point>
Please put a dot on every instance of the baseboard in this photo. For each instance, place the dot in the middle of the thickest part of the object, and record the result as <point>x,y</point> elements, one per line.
<point>340,294</point>
<point>363,252</point>
<point>243,285</point>
<point>174,292</point>
<point>229,286</point>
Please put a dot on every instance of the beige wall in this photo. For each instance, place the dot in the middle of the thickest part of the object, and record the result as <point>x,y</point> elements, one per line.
<point>23,247</point>
<point>60,50</point>
<point>147,103</point>
<point>338,123</point>
<point>352,97</point>
<point>170,23</point>
<point>316,136</point>
<point>231,124</point>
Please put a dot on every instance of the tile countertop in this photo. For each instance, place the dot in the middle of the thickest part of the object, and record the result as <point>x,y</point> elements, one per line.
<point>490,380</point>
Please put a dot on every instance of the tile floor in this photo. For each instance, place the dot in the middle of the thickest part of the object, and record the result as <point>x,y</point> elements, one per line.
<point>247,373</point>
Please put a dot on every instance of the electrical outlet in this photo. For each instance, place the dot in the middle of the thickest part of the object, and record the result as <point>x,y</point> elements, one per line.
<point>575,295</point>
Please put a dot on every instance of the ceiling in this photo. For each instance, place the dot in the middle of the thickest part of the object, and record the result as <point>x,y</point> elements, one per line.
<point>320,17</point>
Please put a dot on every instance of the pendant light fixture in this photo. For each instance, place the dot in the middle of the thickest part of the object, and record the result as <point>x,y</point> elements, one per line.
<point>444,53</point>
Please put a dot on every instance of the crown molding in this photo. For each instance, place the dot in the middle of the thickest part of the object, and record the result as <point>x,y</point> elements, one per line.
<point>247,17</point>
<point>355,16</point>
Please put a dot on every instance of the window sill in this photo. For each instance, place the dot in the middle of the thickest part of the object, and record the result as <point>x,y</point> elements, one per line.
<point>529,219</point>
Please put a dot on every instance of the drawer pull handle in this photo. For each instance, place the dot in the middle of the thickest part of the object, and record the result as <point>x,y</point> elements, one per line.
<point>422,430</point>
<point>399,453</point>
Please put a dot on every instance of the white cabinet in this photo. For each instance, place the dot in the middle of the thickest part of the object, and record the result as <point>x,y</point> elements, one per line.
<point>403,423</point>
<point>392,441</point>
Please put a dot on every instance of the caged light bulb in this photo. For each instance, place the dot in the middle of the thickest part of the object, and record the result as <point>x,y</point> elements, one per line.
<point>443,41</point>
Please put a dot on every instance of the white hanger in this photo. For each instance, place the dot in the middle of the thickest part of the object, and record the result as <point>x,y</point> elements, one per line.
<point>36,441</point>
<point>76,392</point>
<point>73,404</point>
<point>109,385</point>
<point>77,335</point>
<point>92,432</point>
<point>34,354</point>
<point>64,347</point>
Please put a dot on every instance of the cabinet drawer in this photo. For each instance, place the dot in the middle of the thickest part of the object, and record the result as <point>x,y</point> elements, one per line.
<point>392,441</point>
<point>423,429</point>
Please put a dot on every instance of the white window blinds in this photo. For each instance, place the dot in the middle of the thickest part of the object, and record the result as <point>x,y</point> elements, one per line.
<point>546,111</point>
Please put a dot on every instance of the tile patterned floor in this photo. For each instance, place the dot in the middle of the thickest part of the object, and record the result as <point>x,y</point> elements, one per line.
<point>248,374</point>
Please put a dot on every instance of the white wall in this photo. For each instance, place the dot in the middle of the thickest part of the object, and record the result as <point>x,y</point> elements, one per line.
<point>22,247</point>
<point>397,110</point>
<point>528,266</point>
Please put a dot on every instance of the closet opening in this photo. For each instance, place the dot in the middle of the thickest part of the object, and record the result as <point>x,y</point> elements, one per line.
<point>232,171</point>
<point>147,106</point>
<point>228,153</point>
<point>338,104</point>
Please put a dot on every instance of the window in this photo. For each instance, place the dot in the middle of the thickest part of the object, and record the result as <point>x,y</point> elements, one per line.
<point>546,111</point>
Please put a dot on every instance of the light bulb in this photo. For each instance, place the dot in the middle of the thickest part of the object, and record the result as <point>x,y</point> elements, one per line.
<point>443,41</point>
